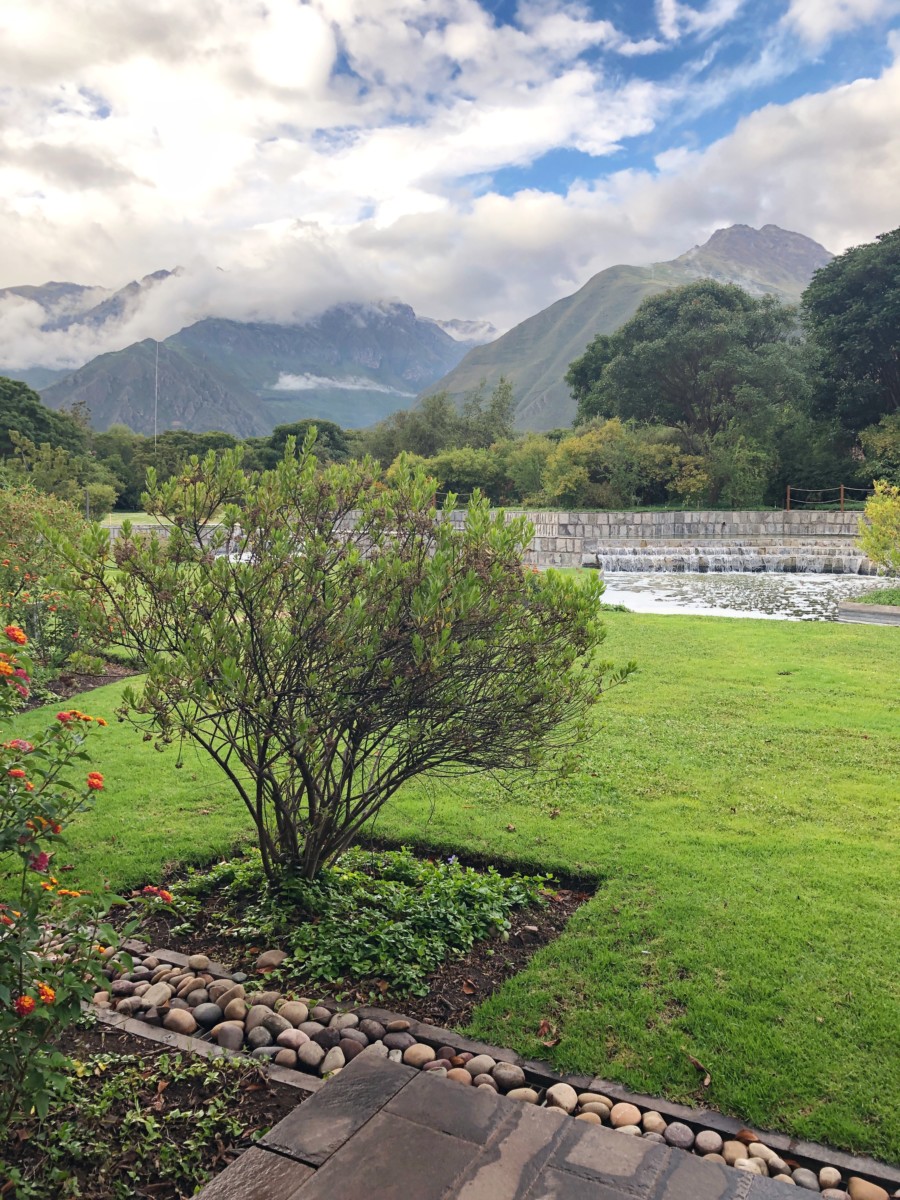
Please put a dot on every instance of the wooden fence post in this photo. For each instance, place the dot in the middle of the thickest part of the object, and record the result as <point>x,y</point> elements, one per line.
<point>788,505</point>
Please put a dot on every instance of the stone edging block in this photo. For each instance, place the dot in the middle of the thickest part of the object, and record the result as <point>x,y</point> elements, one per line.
<point>191,1045</point>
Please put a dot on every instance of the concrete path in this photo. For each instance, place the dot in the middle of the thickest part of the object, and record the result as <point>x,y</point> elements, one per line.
<point>383,1131</point>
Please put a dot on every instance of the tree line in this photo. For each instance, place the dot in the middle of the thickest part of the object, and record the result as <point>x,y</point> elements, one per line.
<point>707,396</point>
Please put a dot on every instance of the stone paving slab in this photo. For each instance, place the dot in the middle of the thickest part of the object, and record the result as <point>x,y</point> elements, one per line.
<point>384,1131</point>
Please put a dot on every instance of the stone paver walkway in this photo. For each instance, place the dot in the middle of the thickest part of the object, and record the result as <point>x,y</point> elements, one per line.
<point>384,1131</point>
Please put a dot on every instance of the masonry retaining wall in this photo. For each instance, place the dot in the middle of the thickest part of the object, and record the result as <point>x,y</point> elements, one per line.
<point>561,539</point>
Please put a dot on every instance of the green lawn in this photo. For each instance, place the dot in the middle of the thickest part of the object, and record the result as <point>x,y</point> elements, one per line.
<point>887,595</point>
<point>739,810</point>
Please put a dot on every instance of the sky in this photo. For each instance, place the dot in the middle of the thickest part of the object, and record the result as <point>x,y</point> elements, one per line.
<point>475,160</point>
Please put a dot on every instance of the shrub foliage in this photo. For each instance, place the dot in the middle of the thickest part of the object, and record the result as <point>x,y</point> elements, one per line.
<point>353,639</point>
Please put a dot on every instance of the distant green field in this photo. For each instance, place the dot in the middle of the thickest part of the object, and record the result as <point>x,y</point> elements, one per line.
<point>738,812</point>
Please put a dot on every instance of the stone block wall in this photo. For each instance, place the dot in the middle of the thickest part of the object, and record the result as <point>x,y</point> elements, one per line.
<point>561,538</point>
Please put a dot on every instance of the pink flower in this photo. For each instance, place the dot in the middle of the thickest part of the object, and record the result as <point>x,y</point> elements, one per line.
<point>40,862</point>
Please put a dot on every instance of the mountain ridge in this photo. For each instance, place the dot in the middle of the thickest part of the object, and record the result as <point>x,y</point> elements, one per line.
<point>535,354</point>
<point>352,363</point>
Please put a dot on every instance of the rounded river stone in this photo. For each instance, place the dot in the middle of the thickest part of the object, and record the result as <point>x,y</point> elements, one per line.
<point>418,1055</point>
<point>624,1114</point>
<point>208,1015</point>
<point>292,1039</point>
<point>294,1011</point>
<point>680,1135</point>
<point>399,1041</point>
<point>310,1056</point>
<point>806,1179</point>
<point>373,1030</point>
<point>481,1064</point>
<point>257,1016</point>
<point>344,1021</point>
<point>180,1021</point>
<point>708,1141</point>
<point>561,1095</point>
<point>230,1036</point>
<point>508,1076</point>
<point>258,1037</point>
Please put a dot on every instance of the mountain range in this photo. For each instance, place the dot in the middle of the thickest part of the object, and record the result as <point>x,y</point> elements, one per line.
<point>535,355</point>
<point>355,363</point>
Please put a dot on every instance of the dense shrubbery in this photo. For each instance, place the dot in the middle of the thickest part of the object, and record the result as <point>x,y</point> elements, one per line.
<point>374,917</point>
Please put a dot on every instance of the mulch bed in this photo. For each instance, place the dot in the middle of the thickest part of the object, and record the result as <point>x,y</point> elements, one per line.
<point>454,989</point>
<point>72,684</point>
<point>261,1103</point>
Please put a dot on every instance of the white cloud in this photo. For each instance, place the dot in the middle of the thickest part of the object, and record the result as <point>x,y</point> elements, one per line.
<point>677,18</point>
<point>819,20</point>
<point>306,383</point>
<point>292,156</point>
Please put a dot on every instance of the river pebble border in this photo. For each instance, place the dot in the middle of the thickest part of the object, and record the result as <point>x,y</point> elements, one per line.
<point>195,998</point>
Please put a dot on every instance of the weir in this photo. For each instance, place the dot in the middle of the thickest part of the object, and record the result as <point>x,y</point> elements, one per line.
<point>701,541</point>
<point>714,541</point>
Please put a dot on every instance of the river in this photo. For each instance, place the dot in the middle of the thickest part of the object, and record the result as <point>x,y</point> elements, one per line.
<point>774,596</point>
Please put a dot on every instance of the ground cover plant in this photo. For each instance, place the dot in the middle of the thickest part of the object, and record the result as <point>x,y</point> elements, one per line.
<point>740,816</point>
<point>375,922</point>
<point>136,1121</point>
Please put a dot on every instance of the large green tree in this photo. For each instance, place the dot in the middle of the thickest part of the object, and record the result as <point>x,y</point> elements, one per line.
<point>357,640</point>
<point>700,359</point>
<point>852,313</point>
<point>22,410</point>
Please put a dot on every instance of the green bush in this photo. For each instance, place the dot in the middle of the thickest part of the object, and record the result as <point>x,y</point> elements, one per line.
<point>372,919</point>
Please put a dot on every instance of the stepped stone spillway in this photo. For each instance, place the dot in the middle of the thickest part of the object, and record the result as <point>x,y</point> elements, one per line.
<point>789,542</point>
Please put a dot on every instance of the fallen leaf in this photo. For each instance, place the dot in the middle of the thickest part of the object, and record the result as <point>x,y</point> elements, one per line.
<point>695,1062</point>
<point>544,1028</point>
<point>746,1136</point>
<point>554,813</point>
<point>469,987</point>
<point>511,829</point>
<point>551,1042</point>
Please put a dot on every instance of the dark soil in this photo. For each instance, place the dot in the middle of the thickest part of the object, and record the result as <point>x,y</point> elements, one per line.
<point>72,684</point>
<point>455,988</point>
<point>260,1105</point>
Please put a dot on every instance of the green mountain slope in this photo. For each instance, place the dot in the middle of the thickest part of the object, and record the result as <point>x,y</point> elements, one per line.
<point>535,354</point>
<point>119,388</point>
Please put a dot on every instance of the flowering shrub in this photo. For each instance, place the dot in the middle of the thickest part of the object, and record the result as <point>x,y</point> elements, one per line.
<point>49,962</point>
